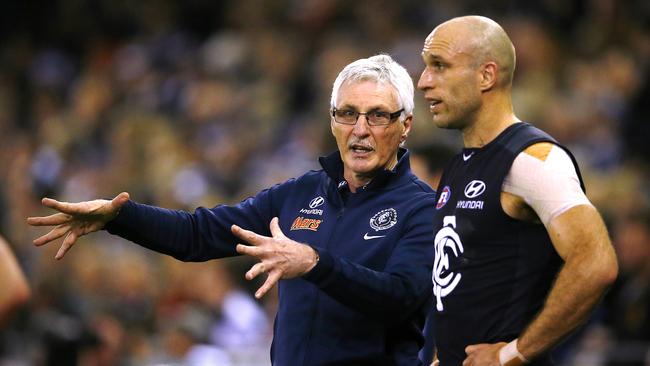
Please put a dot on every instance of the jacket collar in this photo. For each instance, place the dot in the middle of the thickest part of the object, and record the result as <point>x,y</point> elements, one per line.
<point>333,167</point>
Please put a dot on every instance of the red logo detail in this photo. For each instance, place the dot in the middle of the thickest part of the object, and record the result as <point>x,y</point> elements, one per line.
<point>444,197</point>
<point>301,223</point>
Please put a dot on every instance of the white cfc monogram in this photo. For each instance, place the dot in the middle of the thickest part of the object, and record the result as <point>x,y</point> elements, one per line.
<point>444,282</point>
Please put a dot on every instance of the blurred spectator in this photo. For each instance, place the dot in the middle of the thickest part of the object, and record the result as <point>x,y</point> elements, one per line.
<point>629,300</point>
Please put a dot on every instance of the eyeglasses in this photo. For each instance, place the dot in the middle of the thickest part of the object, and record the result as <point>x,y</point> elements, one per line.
<point>374,117</point>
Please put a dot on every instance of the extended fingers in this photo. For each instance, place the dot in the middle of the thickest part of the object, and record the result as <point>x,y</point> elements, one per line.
<point>57,205</point>
<point>271,280</point>
<point>248,250</point>
<point>68,242</point>
<point>275,228</point>
<point>55,219</point>
<point>54,234</point>
<point>246,235</point>
<point>255,271</point>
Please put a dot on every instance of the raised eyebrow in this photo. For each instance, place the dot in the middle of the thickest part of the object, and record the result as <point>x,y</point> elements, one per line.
<point>346,107</point>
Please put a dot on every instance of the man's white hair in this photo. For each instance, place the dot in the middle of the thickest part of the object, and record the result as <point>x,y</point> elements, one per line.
<point>380,69</point>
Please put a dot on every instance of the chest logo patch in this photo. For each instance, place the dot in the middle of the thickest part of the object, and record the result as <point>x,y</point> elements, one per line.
<point>447,242</point>
<point>474,189</point>
<point>444,197</point>
<point>303,223</point>
<point>315,202</point>
<point>318,201</point>
<point>384,219</point>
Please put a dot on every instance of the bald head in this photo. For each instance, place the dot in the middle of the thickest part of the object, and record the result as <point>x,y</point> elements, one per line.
<point>484,40</point>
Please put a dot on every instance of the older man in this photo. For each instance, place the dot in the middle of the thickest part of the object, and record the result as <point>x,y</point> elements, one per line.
<point>521,255</point>
<point>351,243</point>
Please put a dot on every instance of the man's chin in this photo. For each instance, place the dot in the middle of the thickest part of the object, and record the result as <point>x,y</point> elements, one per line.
<point>362,168</point>
<point>440,122</point>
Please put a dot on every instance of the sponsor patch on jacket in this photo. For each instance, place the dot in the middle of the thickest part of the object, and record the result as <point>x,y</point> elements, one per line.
<point>312,210</point>
<point>304,223</point>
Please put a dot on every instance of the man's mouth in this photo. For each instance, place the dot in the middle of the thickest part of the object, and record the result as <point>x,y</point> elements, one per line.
<point>361,149</point>
<point>433,103</point>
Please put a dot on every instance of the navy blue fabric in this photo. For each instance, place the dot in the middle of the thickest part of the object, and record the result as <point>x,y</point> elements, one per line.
<point>493,272</point>
<point>366,300</point>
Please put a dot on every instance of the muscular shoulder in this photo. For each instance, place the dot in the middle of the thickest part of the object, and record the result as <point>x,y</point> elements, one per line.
<point>542,183</point>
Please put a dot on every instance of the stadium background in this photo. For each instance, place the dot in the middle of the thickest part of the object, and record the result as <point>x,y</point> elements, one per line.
<point>197,103</point>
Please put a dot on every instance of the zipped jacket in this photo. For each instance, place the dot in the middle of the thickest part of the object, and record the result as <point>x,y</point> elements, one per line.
<point>365,301</point>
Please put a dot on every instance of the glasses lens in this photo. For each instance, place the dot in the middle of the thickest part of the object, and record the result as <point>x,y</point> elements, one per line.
<point>378,118</point>
<point>345,116</point>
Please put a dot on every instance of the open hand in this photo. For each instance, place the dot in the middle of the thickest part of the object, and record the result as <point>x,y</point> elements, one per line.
<point>280,257</point>
<point>76,219</point>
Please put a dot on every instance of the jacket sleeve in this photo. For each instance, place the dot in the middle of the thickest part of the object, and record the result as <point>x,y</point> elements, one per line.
<point>395,293</point>
<point>199,236</point>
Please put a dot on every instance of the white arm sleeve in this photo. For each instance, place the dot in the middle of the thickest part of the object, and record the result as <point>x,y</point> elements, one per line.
<point>549,187</point>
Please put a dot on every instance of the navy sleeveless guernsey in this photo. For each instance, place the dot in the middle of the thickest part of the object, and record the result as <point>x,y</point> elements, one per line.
<point>491,273</point>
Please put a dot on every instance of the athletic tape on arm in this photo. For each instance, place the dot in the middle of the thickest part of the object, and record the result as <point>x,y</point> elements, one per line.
<point>549,185</point>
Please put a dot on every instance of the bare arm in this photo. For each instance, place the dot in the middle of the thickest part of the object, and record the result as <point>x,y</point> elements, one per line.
<point>580,238</point>
<point>14,289</point>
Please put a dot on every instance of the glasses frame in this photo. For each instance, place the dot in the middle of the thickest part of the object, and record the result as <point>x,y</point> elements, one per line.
<point>392,117</point>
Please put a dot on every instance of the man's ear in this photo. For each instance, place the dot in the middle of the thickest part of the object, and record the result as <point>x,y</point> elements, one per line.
<point>489,74</point>
<point>407,128</point>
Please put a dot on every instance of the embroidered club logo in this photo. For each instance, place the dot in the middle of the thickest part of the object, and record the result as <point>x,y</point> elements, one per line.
<point>444,197</point>
<point>316,202</point>
<point>474,189</point>
<point>384,219</point>
<point>447,242</point>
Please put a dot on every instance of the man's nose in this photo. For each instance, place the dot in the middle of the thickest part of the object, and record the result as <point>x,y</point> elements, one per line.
<point>361,127</point>
<point>426,80</point>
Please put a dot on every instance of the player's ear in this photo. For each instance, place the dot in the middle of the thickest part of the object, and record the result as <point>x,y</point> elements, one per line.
<point>488,75</point>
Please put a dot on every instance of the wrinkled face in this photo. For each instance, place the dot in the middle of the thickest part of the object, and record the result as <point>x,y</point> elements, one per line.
<point>366,149</point>
<point>450,79</point>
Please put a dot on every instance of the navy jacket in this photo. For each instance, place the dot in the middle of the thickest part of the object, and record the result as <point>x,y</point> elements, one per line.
<point>365,301</point>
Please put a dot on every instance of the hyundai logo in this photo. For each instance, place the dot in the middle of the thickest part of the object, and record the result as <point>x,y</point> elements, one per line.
<point>474,189</point>
<point>316,202</point>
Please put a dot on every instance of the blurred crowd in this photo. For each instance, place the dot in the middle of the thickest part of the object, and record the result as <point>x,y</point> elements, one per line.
<point>197,103</point>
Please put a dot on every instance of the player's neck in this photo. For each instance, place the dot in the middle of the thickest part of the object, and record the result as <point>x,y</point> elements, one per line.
<point>489,123</point>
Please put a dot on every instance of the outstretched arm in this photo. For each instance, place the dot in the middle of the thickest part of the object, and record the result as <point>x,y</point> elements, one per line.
<point>199,236</point>
<point>76,219</point>
<point>14,289</point>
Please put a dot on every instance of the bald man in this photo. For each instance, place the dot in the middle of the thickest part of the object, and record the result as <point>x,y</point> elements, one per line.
<point>521,255</point>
